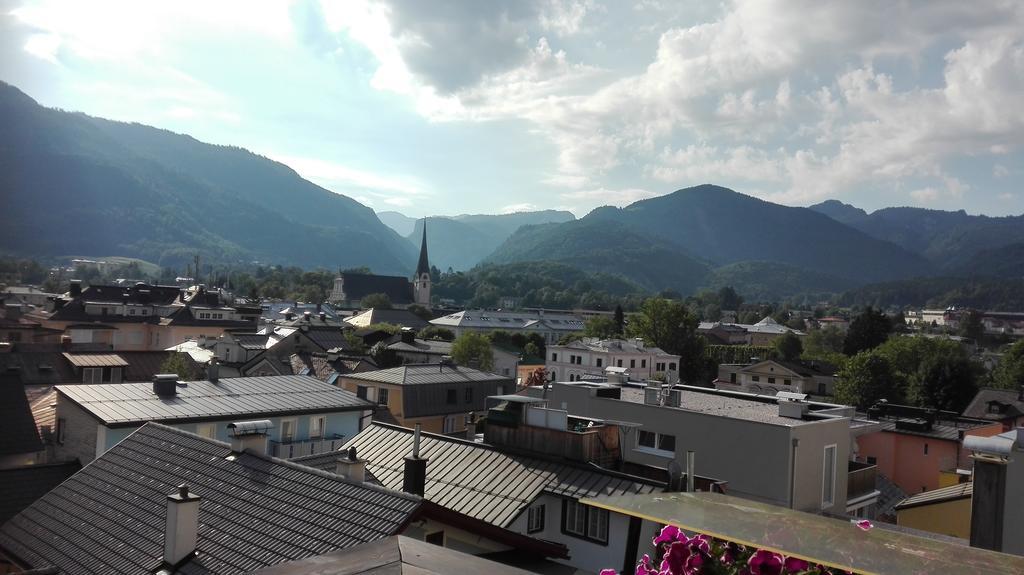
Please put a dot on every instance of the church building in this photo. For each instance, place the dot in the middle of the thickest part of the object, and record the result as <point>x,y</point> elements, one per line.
<point>350,288</point>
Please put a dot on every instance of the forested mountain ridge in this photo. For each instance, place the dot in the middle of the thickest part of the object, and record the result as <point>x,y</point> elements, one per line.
<point>74,184</point>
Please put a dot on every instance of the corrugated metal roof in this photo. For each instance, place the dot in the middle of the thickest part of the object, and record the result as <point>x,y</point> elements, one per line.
<point>134,403</point>
<point>256,511</point>
<point>428,373</point>
<point>480,481</point>
<point>941,495</point>
<point>95,360</point>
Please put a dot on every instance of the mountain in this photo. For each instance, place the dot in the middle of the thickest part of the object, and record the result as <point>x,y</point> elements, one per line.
<point>605,247</point>
<point>1005,262</point>
<point>948,239</point>
<point>74,184</point>
<point>401,223</point>
<point>461,242</point>
<point>772,281</point>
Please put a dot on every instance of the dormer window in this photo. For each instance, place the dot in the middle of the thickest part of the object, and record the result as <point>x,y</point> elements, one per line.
<point>996,407</point>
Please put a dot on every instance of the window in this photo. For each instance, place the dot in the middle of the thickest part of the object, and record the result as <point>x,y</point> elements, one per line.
<point>598,360</point>
<point>145,311</point>
<point>382,396</point>
<point>579,360</point>
<point>469,395</point>
<point>647,439</point>
<point>131,312</point>
<point>672,366</point>
<point>452,397</point>
<point>572,359</point>
<point>584,521</point>
<point>619,363</point>
<point>92,375</point>
<point>787,382</point>
<point>771,380</point>
<point>207,430</point>
<point>361,391</point>
<point>732,377</point>
<point>317,424</point>
<point>535,519</point>
<point>287,430</point>
<point>926,449</point>
<point>643,363</point>
<point>554,356</point>
<point>62,424</point>
<point>450,423</point>
<point>822,389</point>
<point>667,442</point>
<point>755,378</point>
<point>828,477</point>
<point>632,363</point>
<point>115,375</point>
<point>872,460</point>
<point>653,441</point>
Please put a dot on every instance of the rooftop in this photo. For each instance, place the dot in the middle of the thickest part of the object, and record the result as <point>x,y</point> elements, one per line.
<point>941,495</point>
<point>480,481</point>
<point>256,511</point>
<point>996,404</point>
<point>511,320</point>
<point>400,317</point>
<point>613,346</point>
<point>425,374</point>
<point>128,404</point>
<point>22,486</point>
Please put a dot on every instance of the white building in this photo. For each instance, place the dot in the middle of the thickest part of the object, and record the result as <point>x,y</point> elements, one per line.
<point>549,325</point>
<point>591,356</point>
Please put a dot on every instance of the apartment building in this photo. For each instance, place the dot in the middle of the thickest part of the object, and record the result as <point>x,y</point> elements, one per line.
<point>591,356</point>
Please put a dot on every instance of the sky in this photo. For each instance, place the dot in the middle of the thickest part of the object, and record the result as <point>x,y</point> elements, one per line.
<point>471,106</point>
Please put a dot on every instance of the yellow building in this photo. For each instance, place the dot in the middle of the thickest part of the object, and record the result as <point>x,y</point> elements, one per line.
<point>946,511</point>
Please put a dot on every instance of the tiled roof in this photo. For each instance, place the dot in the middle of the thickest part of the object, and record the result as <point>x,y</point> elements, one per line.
<point>19,433</point>
<point>394,556</point>
<point>1009,399</point>
<point>322,368</point>
<point>22,486</point>
<point>358,286</point>
<point>256,511</point>
<point>426,373</point>
<point>402,317</point>
<point>480,481</point>
<point>941,495</point>
<point>53,367</point>
<point>126,404</point>
<point>328,338</point>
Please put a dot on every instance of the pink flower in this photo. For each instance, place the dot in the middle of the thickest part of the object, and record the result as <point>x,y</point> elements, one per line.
<point>864,524</point>
<point>644,567</point>
<point>609,572</point>
<point>701,543</point>
<point>765,563</point>
<point>674,562</point>
<point>668,534</point>
<point>794,565</point>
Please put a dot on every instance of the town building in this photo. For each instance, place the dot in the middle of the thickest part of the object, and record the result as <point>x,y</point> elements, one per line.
<point>591,355</point>
<point>50,364</point>
<point>946,510</point>
<point>399,317</point>
<point>762,333</point>
<point>551,326</point>
<point>305,415</point>
<point>164,500</point>
<point>920,449</point>
<point>802,450</point>
<point>350,288</point>
<point>1003,405</point>
<point>16,328</point>
<point>441,396</point>
<point>772,376</point>
<point>27,295</point>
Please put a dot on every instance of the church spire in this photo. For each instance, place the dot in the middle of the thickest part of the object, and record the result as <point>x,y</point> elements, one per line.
<point>423,267</point>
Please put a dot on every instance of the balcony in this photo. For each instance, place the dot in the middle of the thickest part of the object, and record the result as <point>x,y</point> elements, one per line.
<point>860,479</point>
<point>299,448</point>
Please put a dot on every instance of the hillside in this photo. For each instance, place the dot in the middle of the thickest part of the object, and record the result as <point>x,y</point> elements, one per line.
<point>949,239</point>
<point>138,191</point>
<point>401,223</point>
<point>607,247</point>
<point>461,242</point>
<point>772,281</point>
<point>940,293</point>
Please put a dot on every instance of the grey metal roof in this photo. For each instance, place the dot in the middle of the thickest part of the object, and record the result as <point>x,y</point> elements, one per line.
<point>124,404</point>
<point>256,511</point>
<point>479,480</point>
<point>488,319</point>
<point>1011,400</point>
<point>394,555</point>
<point>426,373</point>
<point>940,495</point>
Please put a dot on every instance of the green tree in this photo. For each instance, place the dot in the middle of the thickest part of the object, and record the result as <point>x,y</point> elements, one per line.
<point>384,357</point>
<point>376,301</point>
<point>530,350</point>
<point>421,312</point>
<point>473,350</point>
<point>729,299</point>
<point>668,324</point>
<point>971,326</point>
<point>866,378</point>
<point>601,327</point>
<point>945,381</point>
<point>436,333</point>
<point>620,320</point>
<point>789,346</point>
<point>178,363</point>
<point>1009,374</point>
<point>823,343</point>
<point>867,331</point>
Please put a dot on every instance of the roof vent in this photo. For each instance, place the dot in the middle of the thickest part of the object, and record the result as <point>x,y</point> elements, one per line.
<point>165,384</point>
<point>250,435</point>
<point>652,395</point>
<point>792,405</point>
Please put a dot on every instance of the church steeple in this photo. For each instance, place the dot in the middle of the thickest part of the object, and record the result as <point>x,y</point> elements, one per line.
<point>421,283</point>
<point>423,267</point>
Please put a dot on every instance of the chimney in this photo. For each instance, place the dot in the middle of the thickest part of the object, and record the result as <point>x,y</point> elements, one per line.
<point>213,370</point>
<point>691,471</point>
<point>306,316</point>
<point>322,315</point>
<point>65,343</point>
<point>288,316</point>
<point>408,335</point>
<point>252,435</point>
<point>76,288</point>
<point>351,467</point>
<point>182,526</point>
<point>165,384</point>
<point>415,478</point>
<point>471,427</point>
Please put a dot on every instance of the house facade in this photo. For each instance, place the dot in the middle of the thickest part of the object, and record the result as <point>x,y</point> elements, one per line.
<point>591,356</point>
<point>772,376</point>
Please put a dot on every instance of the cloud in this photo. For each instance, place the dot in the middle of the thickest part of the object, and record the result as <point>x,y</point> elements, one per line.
<point>391,189</point>
<point>524,207</point>
<point>1000,171</point>
<point>582,201</point>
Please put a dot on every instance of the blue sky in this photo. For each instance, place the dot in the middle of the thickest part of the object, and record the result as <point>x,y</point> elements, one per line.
<point>483,107</point>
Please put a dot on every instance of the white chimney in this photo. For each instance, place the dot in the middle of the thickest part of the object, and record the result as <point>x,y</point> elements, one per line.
<point>351,467</point>
<point>182,530</point>
<point>251,435</point>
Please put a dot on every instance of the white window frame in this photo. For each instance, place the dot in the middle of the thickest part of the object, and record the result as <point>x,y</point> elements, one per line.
<point>597,524</point>
<point>828,488</point>
<point>382,396</point>
<point>575,522</point>
<point>656,448</point>
<point>450,423</point>
<point>295,428</point>
<point>535,518</point>
<point>92,375</point>
<point>317,426</point>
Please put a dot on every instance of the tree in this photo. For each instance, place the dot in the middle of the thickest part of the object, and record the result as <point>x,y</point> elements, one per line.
<point>971,326</point>
<point>421,312</point>
<point>384,357</point>
<point>823,343</point>
<point>789,346</point>
<point>866,378</point>
<point>601,327</point>
<point>436,333</point>
<point>531,350</point>
<point>729,299</point>
<point>1009,374</point>
<point>946,382</point>
<point>620,320</point>
<point>177,363</point>
<point>668,324</point>
<point>473,350</point>
<point>376,301</point>
<point>867,331</point>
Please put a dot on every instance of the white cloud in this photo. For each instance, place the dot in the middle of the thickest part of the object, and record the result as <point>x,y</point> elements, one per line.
<point>391,189</point>
<point>524,207</point>
<point>925,195</point>
<point>582,201</point>
<point>1000,171</point>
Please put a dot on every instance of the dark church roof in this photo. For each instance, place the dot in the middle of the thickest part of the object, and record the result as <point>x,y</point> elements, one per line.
<point>423,267</point>
<point>397,288</point>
